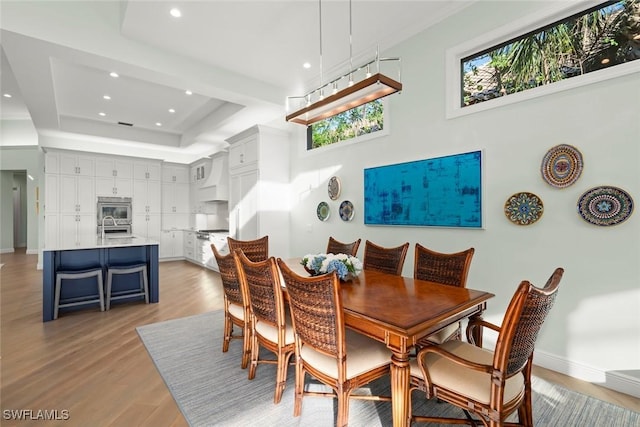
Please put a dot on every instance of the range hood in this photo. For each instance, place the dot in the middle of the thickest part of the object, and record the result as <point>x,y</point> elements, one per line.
<point>216,186</point>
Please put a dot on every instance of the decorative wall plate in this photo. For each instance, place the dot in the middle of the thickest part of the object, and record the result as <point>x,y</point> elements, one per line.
<point>323,211</point>
<point>561,166</point>
<point>346,210</point>
<point>523,208</point>
<point>333,188</point>
<point>605,205</point>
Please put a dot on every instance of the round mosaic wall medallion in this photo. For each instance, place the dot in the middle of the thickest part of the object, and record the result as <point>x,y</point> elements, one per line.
<point>346,210</point>
<point>323,211</point>
<point>333,188</point>
<point>523,208</point>
<point>562,166</point>
<point>605,205</point>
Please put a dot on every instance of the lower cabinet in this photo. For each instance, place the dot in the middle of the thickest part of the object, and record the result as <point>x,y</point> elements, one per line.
<point>171,244</point>
<point>190,245</point>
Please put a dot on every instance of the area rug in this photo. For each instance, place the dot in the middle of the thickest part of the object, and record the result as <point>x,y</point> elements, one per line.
<point>211,389</point>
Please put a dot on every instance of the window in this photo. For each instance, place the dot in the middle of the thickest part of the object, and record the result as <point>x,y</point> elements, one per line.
<point>545,56</point>
<point>362,120</point>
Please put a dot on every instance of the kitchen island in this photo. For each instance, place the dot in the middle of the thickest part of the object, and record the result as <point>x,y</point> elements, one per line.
<point>105,252</point>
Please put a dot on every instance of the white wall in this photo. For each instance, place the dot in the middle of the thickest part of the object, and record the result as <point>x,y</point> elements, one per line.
<point>19,152</point>
<point>593,331</point>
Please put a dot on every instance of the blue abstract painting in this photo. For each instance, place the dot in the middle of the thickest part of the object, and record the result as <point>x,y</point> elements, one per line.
<point>440,192</point>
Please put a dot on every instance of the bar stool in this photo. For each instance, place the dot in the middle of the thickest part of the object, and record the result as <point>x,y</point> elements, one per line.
<point>75,275</point>
<point>143,290</point>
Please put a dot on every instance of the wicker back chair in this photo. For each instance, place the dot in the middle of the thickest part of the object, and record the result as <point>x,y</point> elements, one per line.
<point>338,357</point>
<point>386,260</point>
<point>270,327</point>
<point>236,305</point>
<point>336,247</point>
<point>447,268</point>
<point>490,384</point>
<point>255,250</point>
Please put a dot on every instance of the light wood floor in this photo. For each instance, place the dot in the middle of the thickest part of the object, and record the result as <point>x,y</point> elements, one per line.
<point>93,364</point>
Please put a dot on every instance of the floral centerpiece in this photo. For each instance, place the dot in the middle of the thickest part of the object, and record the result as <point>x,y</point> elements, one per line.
<point>345,266</point>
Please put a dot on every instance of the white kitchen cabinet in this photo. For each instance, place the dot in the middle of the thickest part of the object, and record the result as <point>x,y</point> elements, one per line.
<point>259,177</point>
<point>175,173</point>
<point>144,170</point>
<point>114,177</point>
<point>175,197</point>
<point>244,151</point>
<point>114,187</point>
<point>75,164</point>
<point>171,244</point>
<point>51,193</point>
<point>190,245</point>
<point>146,225</point>
<point>78,230</point>
<point>146,197</point>
<point>77,195</point>
<point>51,230</point>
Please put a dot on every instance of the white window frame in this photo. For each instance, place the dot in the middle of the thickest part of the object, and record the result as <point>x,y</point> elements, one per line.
<point>515,29</point>
<point>357,139</point>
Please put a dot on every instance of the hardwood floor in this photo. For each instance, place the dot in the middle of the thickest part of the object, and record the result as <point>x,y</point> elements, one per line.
<point>93,365</point>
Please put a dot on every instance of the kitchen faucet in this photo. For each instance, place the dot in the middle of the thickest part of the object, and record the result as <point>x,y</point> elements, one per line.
<point>107,217</point>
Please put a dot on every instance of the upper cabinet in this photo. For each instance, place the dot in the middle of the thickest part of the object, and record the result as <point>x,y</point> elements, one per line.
<point>178,174</point>
<point>69,163</point>
<point>114,177</point>
<point>146,170</point>
<point>244,151</point>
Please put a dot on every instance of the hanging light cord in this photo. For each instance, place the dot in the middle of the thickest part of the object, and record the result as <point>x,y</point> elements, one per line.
<point>320,25</point>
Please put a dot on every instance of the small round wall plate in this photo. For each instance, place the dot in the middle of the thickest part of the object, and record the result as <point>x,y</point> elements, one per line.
<point>333,188</point>
<point>323,211</point>
<point>605,205</point>
<point>346,210</point>
<point>523,208</point>
<point>561,166</point>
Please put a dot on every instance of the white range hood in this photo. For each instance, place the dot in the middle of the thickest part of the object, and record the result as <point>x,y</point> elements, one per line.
<point>216,186</point>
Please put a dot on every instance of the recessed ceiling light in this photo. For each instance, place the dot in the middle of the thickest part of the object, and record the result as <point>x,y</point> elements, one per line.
<point>188,92</point>
<point>7,95</point>
<point>175,12</point>
<point>102,114</point>
<point>158,124</point>
<point>306,65</point>
<point>171,110</point>
<point>114,74</point>
<point>107,97</point>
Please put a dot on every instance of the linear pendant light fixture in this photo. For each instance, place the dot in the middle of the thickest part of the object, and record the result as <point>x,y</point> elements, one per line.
<point>314,106</point>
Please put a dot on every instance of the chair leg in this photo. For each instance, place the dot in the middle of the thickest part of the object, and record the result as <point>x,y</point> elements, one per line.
<point>343,409</point>
<point>281,375</point>
<point>228,329</point>
<point>255,348</point>
<point>297,406</point>
<point>246,345</point>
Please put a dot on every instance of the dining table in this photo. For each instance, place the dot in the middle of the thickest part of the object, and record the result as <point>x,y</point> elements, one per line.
<point>399,311</point>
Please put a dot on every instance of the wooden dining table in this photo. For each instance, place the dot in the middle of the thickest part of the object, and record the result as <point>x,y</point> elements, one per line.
<point>399,311</point>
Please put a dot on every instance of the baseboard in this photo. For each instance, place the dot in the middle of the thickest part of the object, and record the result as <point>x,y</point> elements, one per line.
<point>610,379</point>
<point>32,252</point>
<point>6,251</point>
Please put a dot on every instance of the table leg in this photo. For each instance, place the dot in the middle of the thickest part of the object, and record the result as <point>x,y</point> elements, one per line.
<point>400,396</point>
<point>476,333</point>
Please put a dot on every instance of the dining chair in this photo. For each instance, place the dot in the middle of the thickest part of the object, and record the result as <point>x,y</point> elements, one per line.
<point>255,250</point>
<point>490,384</point>
<point>270,326</point>
<point>337,357</point>
<point>336,247</point>
<point>236,305</point>
<point>447,268</point>
<point>386,260</point>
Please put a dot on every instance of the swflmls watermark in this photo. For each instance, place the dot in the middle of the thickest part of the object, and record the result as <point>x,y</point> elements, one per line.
<point>36,414</point>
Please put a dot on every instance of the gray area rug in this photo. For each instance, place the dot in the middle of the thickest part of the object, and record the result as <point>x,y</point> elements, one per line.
<point>212,390</point>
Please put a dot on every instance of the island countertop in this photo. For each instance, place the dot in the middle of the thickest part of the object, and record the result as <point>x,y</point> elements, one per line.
<point>108,242</point>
